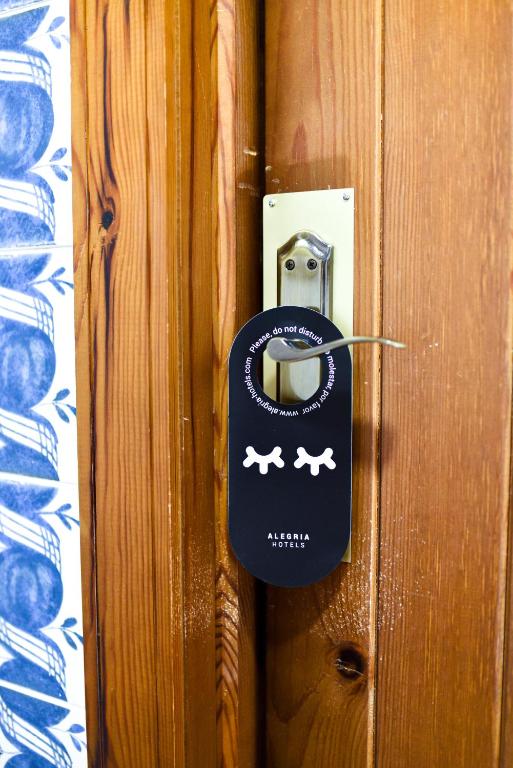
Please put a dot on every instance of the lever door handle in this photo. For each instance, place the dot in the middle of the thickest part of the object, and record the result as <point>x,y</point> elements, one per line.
<point>295,350</point>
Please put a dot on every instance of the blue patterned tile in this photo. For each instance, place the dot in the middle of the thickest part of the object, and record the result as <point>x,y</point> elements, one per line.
<point>41,664</point>
<point>42,717</point>
<point>19,20</point>
<point>37,375</point>
<point>35,164</point>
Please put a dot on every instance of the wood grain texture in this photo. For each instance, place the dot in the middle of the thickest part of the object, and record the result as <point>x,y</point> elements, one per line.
<point>506,753</point>
<point>122,426</point>
<point>83,368</point>
<point>447,245</point>
<point>167,210</point>
<point>192,357</point>
<point>143,224</point>
<point>167,58</point>
<point>236,285</point>
<point>323,109</point>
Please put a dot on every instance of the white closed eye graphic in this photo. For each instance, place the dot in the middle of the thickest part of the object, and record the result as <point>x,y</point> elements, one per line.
<point>315,461</point>
<point>263,461</point>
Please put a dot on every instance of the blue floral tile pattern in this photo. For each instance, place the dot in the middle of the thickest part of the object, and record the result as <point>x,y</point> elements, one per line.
<point>42,713</point>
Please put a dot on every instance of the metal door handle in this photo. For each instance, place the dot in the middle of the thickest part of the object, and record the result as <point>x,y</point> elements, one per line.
<point>295,350</point>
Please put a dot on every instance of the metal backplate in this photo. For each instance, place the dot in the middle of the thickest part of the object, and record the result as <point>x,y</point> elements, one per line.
<point>300,228</point>
<point>304,280</point>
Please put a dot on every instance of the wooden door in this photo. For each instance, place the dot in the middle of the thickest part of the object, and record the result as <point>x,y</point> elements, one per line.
<point>185,114</point>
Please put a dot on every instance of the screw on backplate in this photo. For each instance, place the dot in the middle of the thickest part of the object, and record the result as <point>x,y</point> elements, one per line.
<point>311,264</point>
<point>346,196</point>
<point>290,264</point>
<point>272,203</point>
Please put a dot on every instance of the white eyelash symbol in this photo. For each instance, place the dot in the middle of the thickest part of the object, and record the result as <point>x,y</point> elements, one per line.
<point>263,461</point>
<point>315,461</point>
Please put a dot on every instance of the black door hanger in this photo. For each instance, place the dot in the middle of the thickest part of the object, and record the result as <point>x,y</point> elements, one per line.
<point>289,465</point>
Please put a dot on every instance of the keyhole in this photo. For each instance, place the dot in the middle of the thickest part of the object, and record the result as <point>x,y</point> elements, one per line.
<point>351,662</point>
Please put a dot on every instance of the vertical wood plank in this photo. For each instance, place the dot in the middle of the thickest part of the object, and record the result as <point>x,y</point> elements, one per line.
<point>448,203</point>
<point>156,313</point>
<point>152,482</point>
<point>236,270</point>
<point>323,110</point>
<point>122,429</point>
<point>192,351</point>
<point>506,754</point>
<point>164,142</point>
<point>172,32</point>
<point>83,367</point>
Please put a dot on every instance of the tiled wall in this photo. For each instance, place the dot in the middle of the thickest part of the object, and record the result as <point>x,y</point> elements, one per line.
<point>42,718</point>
